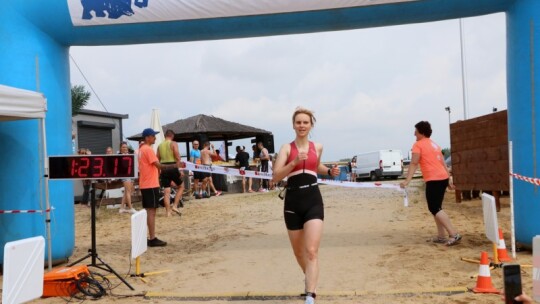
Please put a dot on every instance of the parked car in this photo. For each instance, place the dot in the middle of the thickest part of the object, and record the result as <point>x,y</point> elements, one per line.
<point>379,164</point>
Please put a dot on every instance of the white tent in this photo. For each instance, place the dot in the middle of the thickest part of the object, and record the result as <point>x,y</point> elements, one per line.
<point>16,104</point>
<point>21,104</point>
<point>155,124</point>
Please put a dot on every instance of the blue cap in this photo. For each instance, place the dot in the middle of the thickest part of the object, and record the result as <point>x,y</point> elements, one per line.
<point>148,132</point>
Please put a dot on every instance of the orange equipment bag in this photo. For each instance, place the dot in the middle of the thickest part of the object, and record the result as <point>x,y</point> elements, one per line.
<point>62,281</point>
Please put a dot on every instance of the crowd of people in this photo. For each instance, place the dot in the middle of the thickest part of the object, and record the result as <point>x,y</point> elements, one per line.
<point>161,177</point>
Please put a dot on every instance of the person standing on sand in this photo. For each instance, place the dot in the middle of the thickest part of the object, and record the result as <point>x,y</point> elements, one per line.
<point>167,153</point>
<point>149,167</point>
<point>125,205</point>
<point>300,162</point>
<point>242,161</point>
<point>428,155</point>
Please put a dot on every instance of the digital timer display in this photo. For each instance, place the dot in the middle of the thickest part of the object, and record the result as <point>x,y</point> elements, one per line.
<point>92,166</point>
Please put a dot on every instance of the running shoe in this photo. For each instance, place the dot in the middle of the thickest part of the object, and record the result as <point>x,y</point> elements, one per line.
<point>454,240</point>
<point>131,210</point>
<point>122,210</point>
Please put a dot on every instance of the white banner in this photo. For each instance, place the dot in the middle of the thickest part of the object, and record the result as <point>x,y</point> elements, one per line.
<point>265,175</point>
<point>105,12</point>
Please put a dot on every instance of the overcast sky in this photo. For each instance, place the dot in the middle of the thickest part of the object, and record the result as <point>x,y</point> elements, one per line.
<point>368,87</point>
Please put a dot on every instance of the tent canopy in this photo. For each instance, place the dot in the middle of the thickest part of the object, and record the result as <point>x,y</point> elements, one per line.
<point>21,104</point>
<point>214,128</point>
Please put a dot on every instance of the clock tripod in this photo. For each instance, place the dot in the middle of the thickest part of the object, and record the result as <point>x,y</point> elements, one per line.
<point>92,252</point>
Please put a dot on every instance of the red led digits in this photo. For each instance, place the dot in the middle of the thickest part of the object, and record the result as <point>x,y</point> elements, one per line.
<point>73,166</point>
<point>115,166</point>
<point>91,167</point>
<point>83,168</point>
<point>129,161</point>
<point>98,167</point>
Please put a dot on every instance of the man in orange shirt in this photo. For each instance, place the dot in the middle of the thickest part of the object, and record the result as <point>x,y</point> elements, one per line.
<point>149,167</point>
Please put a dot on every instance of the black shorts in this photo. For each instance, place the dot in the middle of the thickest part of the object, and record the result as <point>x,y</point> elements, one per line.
<point>201,175</point>
<point>150,198</point>
<point>302,205</point>
<point>169,175</point>
<point>435,191</point>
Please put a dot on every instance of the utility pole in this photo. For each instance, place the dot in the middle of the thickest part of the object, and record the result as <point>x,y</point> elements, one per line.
<point>463,81</point>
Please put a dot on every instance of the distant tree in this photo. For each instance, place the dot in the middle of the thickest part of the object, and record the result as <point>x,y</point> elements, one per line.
<point>446,152</point>
<point>79,98</point>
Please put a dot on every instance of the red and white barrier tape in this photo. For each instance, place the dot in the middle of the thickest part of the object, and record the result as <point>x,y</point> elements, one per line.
<point>367,185</point>
<point>266,175</point>
<point>535,181</point>
<point>228,171</point>
<point>25,211</point>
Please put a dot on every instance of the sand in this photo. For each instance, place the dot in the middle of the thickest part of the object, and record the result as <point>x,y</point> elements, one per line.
<point>373,250</point>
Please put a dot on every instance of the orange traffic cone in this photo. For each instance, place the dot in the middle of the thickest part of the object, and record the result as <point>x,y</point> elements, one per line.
<point>483,283</point>
<point>501,249</point>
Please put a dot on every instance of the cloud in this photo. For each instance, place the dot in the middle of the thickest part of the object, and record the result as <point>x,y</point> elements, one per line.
<point>367,87</point>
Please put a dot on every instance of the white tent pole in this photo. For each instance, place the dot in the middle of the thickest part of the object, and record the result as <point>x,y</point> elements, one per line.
<point>47,203</point>
<point>511,167</point>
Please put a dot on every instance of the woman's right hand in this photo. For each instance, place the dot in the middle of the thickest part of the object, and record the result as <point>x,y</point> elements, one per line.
<point>404,184</point>
<point>302,156</point>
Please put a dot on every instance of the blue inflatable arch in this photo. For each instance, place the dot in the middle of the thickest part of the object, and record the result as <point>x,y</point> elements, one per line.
<point>35,37</point>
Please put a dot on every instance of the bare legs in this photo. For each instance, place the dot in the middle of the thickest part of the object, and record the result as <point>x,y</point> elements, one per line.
<point>444,224</point>
<point>178,197</point>
<point>126,199</point>
<point>196,185</point>
<point>305,244</point>
<point>151,222</point>
<point>167,200</point>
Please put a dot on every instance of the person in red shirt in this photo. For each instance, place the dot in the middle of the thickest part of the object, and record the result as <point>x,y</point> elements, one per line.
<point>149,167</point>
<point>300,162</point>
<point>428,155</point>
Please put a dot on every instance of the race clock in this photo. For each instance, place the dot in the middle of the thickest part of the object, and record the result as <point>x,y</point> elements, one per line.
<point>92,166</point>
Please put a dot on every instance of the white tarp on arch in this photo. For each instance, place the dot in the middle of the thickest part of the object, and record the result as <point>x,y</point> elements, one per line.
<point>21,104</point>
<point>104,12</point>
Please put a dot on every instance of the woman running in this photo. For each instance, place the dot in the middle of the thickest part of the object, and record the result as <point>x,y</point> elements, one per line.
<point>300,162</point>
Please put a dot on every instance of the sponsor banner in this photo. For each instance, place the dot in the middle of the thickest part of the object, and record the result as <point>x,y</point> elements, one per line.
<point>265,175</point>
<point>106,12</point>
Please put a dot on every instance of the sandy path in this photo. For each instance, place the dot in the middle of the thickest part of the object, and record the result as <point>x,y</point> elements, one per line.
<point>372,246</point>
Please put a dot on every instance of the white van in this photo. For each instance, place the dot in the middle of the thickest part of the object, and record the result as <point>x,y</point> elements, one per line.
<point>379,164</point>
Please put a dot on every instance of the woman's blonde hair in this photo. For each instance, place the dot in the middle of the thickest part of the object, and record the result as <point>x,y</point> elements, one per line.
<point>300,110</point>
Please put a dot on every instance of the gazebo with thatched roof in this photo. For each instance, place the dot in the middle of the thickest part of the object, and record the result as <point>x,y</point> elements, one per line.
<point>211,128</point>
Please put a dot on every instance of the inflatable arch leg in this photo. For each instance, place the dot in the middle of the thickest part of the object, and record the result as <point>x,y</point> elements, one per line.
<point>523,68</point>
<point>22,48</point>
